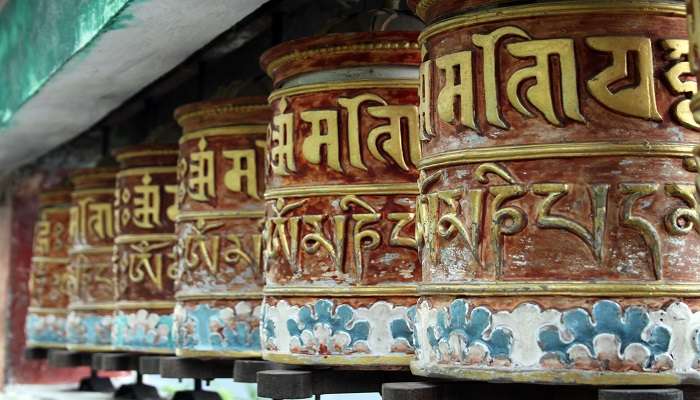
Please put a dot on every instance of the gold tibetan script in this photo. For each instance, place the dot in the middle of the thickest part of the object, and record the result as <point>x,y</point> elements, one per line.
<point>91,217</point>
<point>146,204</point>
<point>42,237</point>
<point>201,180</point>
<point>146,259</point>
<point>242,177</point>
<point>396,140</point>
<point>282,141</point>
<point>353,233</point>
<point>458,214</point>
<point>678,51</point>
<point>626,85</point>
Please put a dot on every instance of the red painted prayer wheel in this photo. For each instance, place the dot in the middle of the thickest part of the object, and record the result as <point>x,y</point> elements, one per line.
<point>558,219</point>
<point>339,250</point>
<point>89,325</point>
<point>219,227</point>
<point>49,280</point>
<point>144,260</point>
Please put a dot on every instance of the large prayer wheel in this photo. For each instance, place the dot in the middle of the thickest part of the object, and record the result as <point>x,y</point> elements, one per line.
<point>558,216</point>
<point>89,325</point>
<point>339,244</point>
<point>49,277</point>
<point>219,227</point>
<point>144,259</point>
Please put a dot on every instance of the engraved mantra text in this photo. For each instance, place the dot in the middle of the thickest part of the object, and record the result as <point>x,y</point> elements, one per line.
<point>459,213</point>
<point>396,141</point>
<point>556,101</point>
<point>203,247</point>
<point>147,260</point>
<point>197,173</point>
<point>283,232</point>
<point>146,201</point>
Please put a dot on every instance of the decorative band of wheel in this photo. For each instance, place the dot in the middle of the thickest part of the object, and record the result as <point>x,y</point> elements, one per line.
<point>224,328</point>
<point>602,341</point>
<point>337,331</point>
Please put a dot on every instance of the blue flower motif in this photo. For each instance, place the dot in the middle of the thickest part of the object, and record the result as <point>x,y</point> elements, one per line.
<point>45,329</point>
<point>472,328</point>
<point>322,316</point>
<point>402,329</point>
<point>607,318</point>
<point>242,338</point>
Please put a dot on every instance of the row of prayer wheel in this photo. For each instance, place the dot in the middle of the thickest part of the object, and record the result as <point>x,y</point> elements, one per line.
<point>507,195</point>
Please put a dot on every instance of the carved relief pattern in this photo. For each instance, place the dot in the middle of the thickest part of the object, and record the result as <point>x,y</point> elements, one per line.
<point>92,232</point>
<point>143,330</point>
<point>49,280</point>
<point>146,269</point>
<point>45,329</point>
<point>340,205</point>
<point>557,161</point>
<point>605,337</point>
<point>500,87</point>
<point>144,257</point>
<point>231,328</point>
<point>357,240</point>
<point>484,222</point>
<point>89,329</point>
<point>221,185</point>
<point>332,327</point>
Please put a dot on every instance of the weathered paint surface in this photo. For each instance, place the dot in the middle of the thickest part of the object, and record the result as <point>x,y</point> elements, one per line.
<point>218,328</point>
<point>24,206</point>
<point>488,338</point>
<point>219,227</point>
<point>145,262</point>
<point>542,180</point>
<point>38,37</point>
<point>339,248</point>
<point>91,272</point>
<point>49,280</point>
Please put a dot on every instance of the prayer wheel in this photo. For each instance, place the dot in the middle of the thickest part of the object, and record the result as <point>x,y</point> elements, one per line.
<point>144,260</point>
<point>89,324</point>
<point>558,219</point>
<point>219,227</point>
<point>339,243</point>
<point>49,278</point>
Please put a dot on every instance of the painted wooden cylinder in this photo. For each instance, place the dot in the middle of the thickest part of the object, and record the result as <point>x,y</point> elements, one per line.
<point>89,324</point>
<point>339,242</point>
<point>49,280</point>
<point>693,9</point>
<point>558,215</point>
<point>144,258</point>
<point>219,227</point>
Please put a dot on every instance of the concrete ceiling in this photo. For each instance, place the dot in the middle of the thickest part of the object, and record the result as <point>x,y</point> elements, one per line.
<point>158,36</point>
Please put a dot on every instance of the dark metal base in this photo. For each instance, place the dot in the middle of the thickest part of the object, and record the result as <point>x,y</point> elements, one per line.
<point>246,371</point>
<point>457,390</point>
<point>640,394</point>
<point>69,359</point>
<point>35,354</point>
<point>136,391</point>
<point>183,368</point>
<point>302,384</point>
<point>196,395</point>
<point>95,383</point>
<point>149,365</point>
<point>115,361</point>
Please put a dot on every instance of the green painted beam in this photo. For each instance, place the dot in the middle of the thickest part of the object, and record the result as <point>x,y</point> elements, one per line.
<point>37,37</point>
